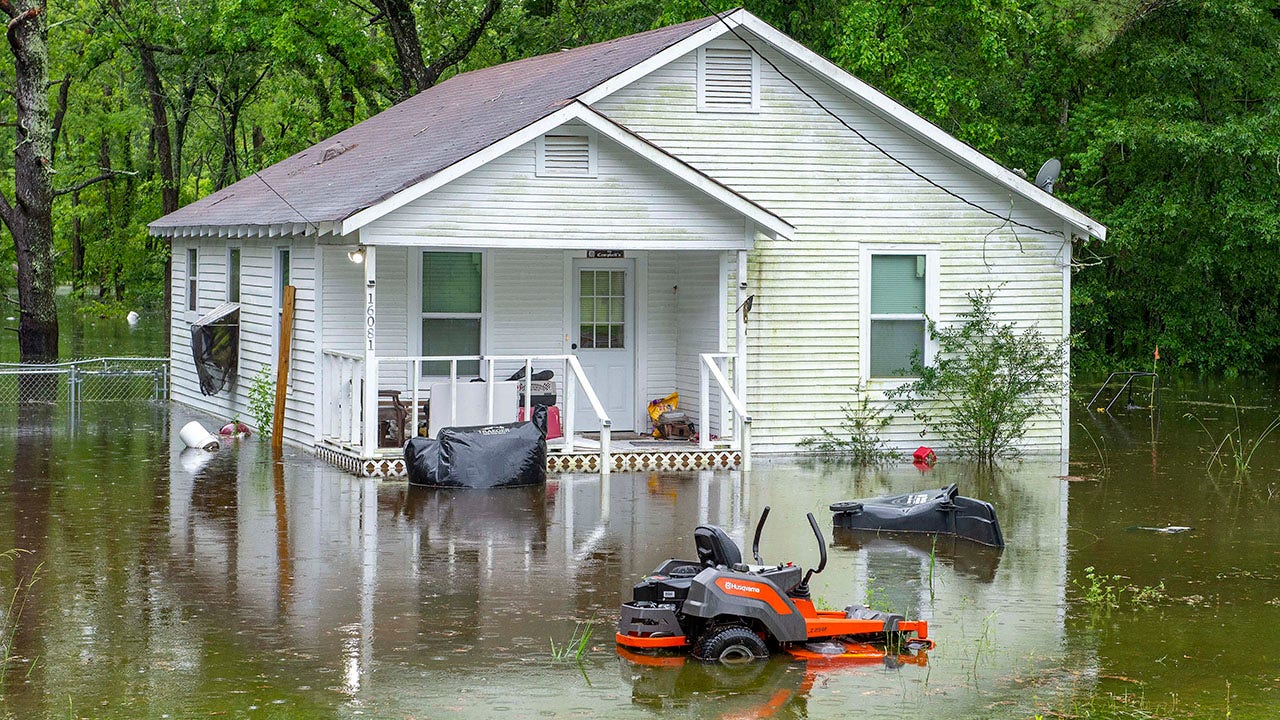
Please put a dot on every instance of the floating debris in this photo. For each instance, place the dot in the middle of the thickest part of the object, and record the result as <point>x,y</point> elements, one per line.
<point>1167,530</point>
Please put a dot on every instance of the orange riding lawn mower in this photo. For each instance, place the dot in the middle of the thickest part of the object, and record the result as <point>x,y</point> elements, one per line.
<point>721,609</point>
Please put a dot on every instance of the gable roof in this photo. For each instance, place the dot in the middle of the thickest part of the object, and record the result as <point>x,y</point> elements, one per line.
<point>379,164</point>
<point>411,141</point>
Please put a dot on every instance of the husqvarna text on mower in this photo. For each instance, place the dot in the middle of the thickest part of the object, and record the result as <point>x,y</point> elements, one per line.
<point>722,609</point>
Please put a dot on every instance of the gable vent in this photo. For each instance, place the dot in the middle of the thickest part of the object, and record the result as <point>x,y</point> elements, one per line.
<point>727,79</point>
<point>571,155</point>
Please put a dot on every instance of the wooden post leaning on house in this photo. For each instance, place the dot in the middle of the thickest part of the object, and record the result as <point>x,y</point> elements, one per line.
<point>282,367</point>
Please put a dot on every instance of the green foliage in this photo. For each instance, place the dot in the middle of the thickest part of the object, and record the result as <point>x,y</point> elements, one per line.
<point>986,383</point>
<point>262,401</point>
<point>858,438</point>
<point>577,646</point>
<point>1108,592</point>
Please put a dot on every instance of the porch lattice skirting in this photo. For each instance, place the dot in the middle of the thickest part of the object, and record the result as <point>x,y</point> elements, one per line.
<point>393,467</point>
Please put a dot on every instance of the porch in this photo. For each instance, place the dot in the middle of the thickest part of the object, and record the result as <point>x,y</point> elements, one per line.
<point>449,334</point>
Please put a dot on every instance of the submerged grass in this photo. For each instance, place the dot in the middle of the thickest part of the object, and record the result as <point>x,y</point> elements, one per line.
<point>577,646</point>
<point>1235,446</point>
<point>13,611</point>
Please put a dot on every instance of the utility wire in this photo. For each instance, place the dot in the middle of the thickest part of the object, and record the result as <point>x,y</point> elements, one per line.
<point>1005,220</point>
<point>286,202</point>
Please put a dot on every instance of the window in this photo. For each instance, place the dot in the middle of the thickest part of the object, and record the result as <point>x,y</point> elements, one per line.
<point>566,155</point>
<point>451,305</point>
<point>602,299</point>
<point>728,80</point>
<point>233,275</point>
<point>899,299</point>
<point>193,271</point>
<point>280,281</point>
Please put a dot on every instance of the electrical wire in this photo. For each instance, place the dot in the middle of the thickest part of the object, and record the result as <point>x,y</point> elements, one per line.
<point>1005,220</point>
<point>286,202</point>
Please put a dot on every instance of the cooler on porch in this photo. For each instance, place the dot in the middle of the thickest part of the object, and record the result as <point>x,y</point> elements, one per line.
<point>553,421</point>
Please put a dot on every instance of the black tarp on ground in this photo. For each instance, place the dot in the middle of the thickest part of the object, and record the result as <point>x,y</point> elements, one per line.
<point>941,511</point>
<point>481,457</point>
<point>215,346</point>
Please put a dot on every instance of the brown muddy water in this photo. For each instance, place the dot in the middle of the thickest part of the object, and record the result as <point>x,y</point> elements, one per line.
<point>168,584</point>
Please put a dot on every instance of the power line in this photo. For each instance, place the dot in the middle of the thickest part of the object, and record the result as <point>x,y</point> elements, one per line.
<point>1005,220</point>
<point>286,202</point>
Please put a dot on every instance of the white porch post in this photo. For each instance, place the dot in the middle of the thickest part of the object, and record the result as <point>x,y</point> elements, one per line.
<point>369,442</point>
<point>743,425</point>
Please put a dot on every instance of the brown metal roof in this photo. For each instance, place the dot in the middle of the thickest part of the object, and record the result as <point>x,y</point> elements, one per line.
<point>430,131</point>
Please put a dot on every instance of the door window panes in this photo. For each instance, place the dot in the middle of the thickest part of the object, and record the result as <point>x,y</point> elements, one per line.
<point>602,302</point>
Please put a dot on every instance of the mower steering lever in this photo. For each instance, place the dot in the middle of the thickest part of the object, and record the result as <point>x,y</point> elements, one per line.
<point>755,543</point>
<point>822,550</point>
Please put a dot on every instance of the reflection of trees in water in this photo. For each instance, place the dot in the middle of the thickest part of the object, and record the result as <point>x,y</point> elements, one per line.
<point>30,496</point>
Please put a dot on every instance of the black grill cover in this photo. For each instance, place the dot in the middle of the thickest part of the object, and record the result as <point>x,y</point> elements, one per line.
<point>484,456</point>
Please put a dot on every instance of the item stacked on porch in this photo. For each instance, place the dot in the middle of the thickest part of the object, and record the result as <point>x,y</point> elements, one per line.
<point>669,422</point>
<point>543,394</point>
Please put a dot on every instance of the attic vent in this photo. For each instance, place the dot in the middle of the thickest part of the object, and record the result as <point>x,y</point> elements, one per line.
<point>727,79</point>
<point>566,155</point>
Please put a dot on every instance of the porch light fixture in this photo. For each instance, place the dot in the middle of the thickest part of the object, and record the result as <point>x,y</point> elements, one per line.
<point>356,256</point>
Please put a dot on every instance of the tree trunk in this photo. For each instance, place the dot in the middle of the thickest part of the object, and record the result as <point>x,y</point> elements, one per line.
<point>168,170</point>
<point>403,28</point>
<point>30,217</point>
<point>77,247</point>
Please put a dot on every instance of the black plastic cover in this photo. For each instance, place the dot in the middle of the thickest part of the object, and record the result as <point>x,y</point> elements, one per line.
<point>215,347</point>
<point>484,456</point>
<point>942,511</point>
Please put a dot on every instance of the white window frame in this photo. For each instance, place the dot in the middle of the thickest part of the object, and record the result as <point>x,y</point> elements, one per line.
<point>277,298</point>
<point>702,84</point>
<point>191,284</point>
<point>231,250</point>
<point>540,153</point>
<point>932,303</point>
<point>415,309</point>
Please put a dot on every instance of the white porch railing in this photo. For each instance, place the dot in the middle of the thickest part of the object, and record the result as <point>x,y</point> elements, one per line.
<point>714,366</point>
<point>342,379</point>
<point>343,383</point>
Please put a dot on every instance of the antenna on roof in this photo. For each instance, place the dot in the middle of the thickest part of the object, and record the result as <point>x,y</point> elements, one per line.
<point>1048,174</point>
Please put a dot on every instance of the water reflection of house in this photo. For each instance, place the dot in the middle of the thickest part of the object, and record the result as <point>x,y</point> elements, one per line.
<point>617,206</point>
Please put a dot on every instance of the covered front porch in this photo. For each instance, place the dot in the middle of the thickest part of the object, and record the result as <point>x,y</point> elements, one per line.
<point>407,330</point>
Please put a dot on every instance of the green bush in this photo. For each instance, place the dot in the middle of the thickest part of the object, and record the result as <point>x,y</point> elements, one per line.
<point>987,382</point>
<point>262,401</point>
<point>858,437</point>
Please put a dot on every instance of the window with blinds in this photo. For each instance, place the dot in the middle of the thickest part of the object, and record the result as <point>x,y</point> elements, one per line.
<point>451,309</point>
<point>897,313</point>
<point>727,79</point>
<point>566,156</point>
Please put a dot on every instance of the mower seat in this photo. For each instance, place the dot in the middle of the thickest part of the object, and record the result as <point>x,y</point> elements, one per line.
<point>715,547</point>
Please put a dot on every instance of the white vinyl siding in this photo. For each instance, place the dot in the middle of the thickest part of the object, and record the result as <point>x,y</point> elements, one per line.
<point>259,323</point>
<point>630,203</point>
<point>840,193</point>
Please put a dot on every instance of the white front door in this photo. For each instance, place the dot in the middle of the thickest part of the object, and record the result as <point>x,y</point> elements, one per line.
<point>604,340</point>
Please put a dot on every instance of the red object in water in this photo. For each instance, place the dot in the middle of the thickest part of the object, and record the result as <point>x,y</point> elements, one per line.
<point>238,428</point>
<point>924,455</point>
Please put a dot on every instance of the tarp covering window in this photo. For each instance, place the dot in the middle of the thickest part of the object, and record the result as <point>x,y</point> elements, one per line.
<point>215,345</point>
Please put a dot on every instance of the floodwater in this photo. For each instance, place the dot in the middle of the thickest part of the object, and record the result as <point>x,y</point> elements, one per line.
<point>168,584</point>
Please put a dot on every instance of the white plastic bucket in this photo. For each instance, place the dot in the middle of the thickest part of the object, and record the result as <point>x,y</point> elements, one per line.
<point>194,435</point>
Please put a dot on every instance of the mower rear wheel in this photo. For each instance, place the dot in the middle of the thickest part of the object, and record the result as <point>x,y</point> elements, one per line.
<point>731,645</point>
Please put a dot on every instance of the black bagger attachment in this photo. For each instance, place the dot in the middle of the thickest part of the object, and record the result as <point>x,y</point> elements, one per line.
<point>943,511</point>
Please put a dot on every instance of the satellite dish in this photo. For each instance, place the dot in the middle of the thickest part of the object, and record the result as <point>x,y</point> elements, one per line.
<point>1048,174</point>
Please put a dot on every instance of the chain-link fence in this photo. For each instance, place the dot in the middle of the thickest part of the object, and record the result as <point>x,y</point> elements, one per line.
<point>97,380</point>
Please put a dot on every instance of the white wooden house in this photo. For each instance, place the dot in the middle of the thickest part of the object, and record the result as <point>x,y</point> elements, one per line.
<point>606,212</point>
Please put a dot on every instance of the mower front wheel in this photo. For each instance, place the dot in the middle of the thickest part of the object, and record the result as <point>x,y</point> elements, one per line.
<point>731,645</point>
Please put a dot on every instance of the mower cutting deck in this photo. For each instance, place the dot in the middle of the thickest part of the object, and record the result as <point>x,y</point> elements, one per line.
<point>719,608</point>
